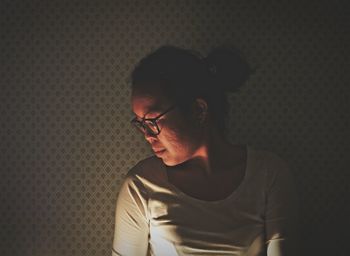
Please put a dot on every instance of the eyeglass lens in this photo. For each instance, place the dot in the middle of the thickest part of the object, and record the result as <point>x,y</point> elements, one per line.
<point>148,125</point>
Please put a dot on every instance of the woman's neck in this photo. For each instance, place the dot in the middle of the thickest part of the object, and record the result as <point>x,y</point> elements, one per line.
<point>214,155</point>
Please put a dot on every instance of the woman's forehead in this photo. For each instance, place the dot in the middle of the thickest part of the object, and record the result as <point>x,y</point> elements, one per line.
<point>145,103</point>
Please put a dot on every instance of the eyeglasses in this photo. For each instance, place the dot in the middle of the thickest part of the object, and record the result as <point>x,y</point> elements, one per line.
<point>150,124</point>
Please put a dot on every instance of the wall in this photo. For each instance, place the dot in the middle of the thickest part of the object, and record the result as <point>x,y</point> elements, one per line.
<point>66,141</point>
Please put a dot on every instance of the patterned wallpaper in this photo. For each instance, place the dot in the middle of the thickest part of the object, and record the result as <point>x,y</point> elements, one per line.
<point>66,141</point>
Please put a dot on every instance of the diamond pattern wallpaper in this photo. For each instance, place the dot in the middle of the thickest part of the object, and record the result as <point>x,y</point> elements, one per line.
<point>66,138</point>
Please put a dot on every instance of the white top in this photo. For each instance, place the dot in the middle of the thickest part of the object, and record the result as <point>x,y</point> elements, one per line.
<point>153,217</point>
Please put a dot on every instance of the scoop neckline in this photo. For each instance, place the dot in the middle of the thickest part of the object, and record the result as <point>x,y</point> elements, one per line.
<point>226,199</point>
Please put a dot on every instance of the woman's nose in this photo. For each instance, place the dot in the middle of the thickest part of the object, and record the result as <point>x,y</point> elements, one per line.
<point>149,136</point>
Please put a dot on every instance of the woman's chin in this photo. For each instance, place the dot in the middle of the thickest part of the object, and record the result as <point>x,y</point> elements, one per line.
<point>166,160</point>
<point>169,162</point>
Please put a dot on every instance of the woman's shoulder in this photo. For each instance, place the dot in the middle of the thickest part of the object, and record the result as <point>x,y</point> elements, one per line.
<point>269,157</point>
<point>149,169</point>
<point>272,164</point>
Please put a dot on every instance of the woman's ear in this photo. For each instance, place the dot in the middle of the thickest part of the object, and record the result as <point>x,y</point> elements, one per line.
<point>200,110</point>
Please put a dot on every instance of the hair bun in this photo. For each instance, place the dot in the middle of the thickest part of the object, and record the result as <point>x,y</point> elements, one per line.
<point>228,68</point>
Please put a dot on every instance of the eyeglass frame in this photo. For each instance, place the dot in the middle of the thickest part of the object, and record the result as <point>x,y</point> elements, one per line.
<point>153,121</point>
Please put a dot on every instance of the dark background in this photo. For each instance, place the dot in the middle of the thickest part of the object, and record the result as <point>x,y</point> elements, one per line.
<point>66,141</point>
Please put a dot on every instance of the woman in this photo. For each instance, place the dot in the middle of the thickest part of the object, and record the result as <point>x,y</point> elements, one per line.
<point>200,194</point>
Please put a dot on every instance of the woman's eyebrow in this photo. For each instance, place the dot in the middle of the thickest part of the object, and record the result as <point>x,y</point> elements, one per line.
<point>153,110</point>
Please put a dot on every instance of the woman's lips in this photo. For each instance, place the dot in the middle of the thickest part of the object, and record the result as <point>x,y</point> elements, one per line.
<point>159,151</point>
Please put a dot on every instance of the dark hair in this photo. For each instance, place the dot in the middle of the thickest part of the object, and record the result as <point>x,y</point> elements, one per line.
<point>185,75</point>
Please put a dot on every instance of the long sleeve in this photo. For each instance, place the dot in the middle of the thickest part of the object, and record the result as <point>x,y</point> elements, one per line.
<point>131,232</point>
<point>282,211</point>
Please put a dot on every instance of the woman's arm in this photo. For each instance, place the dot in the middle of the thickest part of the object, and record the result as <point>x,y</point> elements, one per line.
<point>131,223</point>
<point>282,210</point>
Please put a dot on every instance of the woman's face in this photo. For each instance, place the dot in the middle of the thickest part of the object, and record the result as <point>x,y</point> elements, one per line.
<point>178,137</point>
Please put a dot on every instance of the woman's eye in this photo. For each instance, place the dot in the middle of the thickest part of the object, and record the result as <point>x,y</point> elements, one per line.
<point>160,119</point>
<point>150,123</point>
